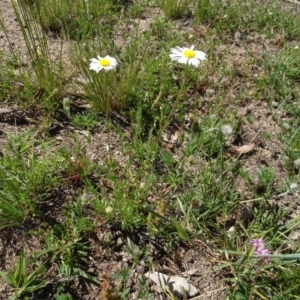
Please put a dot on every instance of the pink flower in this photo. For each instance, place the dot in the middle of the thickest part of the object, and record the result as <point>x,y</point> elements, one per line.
<point>258,243</point>
<point>260,249</point>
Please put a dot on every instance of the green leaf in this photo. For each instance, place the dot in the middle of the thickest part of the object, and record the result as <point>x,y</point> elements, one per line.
<point>63,297</point>
<point>20,270</point>
<point>85,275</point>
<point>181,231</point>
<point>6,279</point>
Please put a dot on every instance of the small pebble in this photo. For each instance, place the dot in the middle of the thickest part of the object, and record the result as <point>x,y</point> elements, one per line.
<point>297,163</point>
<point>119,241</point>
<point>66,103</point>
<point>140,269</point>
<point>237,35</point>
<point>202,30</point>
<point>286,125</point>
<point>227,129</point>
<point>293,185</point>
<point>210,92</point>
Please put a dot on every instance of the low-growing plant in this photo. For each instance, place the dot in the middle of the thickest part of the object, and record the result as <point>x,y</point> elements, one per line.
<point>26,180</point>
<point>227,17</point>
<point>63,297</point>
<point>24,280</point>
<point>175,9</point>
<point>72,19</point>
<point>87,120</point>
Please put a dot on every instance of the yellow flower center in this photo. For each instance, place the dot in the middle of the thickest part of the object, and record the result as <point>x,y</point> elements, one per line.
<point>188,53</point>
<point>104,62</point>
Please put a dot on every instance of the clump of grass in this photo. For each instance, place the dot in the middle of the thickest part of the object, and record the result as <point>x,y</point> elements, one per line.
<point>47,79</point>
<point>246,17</point>
<point>73,19</point>
<point>26,181</point>
<point>118,90</point>
<point>24,280</point>
<point>87,120</point>
<point>175,9</point>
<point>280,73</point>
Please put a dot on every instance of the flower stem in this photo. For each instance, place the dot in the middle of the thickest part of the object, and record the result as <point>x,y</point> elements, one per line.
<point>176,102</point>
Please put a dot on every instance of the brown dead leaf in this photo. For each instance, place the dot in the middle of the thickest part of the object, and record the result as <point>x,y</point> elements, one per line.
<point>83,105</point>
<point>166,190</point>
<point>235,152</point>
<point>244,149</point>
<point>107,291</point>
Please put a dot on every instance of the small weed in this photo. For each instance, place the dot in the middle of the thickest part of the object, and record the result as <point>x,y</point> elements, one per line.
<point>280,73</point>
<point>88,120</point>
<point>265,180</point>
<point>175,9</point>
<point>23,280</point>
<point>63,297</point>
<point>26,181</point>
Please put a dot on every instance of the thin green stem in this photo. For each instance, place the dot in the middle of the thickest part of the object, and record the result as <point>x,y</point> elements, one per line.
<point>175,105</point>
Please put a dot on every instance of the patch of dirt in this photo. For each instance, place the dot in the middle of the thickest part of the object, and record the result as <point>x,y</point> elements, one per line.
<point>109,246</point>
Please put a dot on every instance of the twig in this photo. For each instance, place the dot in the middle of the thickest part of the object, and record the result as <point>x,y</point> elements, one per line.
<point>293,1</point>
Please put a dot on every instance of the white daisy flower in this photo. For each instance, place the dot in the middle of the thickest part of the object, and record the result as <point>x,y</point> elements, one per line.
<point>103,63</point>
<point>187,56</point>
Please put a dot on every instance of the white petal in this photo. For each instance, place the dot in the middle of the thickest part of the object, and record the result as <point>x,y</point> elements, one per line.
<point>185,49</point>
<point>94,66</point>
<point>106,69</point>
<point>114,63</point>
<point>200,55</point>
<point>194,62</point>
<point>94,63</point>
<point>112,60</point>
<point>178,53</point>
<point>94,60</point>
<point>177,49</point>
<point>175,56</point>
<point>183,60</point>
